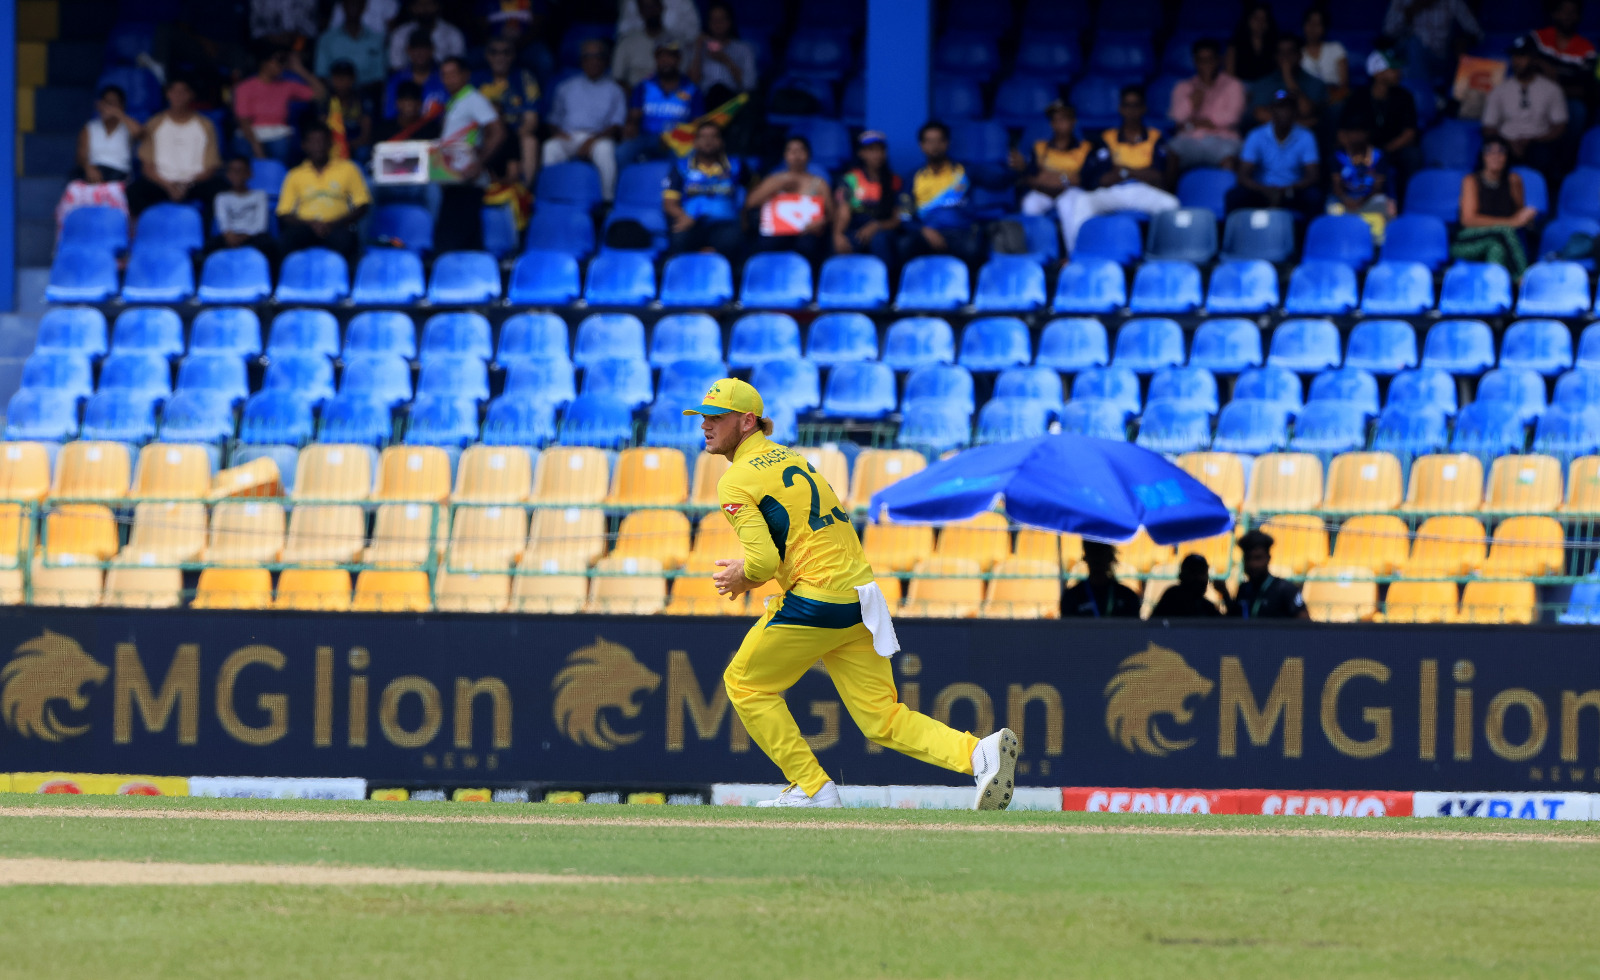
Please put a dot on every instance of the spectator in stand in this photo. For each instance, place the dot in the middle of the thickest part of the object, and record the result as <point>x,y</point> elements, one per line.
<point>1529,111</point>
<point>423,71</point>
<point>353,41</point>
<point>509,190</point>
<point>322,199</point>
<point>1387,110</point>
<point>701,200</point>
<point>204,41</point>
<point>1310,95</point>
<point>377,16</point>
<point>1187,599</point>
<point>866,214</point>
<point>1261,595</point>
<point>408,123</point>
<point>179,157</point>
<point>1493,211</point>
<point>1099,595</point>
<point>1053,177</point>
<point>1325,60</point>
<point>1127,173</point>
<point>1361,179</point>
<point>1278,167</point>
<point>635,57</point>
<point>353,118</point>
<point>722,65</point>
<point>473,134</point>
<point>282,22</point>
<point>105,143</point>
<point>447,39</point>
<point>261,105</point>
<point>1207,109</point>
<point>681,18</point>
<point>942,221</point>
<point>586,118</point>
<point>242,213</point>
<point>659,104</point>
<point>1570,60</point>
<point>1432,33</point>
<point>515,94</point>
<point>792,206</point>
<point>1252,52</point>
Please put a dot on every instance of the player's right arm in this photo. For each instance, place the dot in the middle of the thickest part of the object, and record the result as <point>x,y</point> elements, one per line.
<point>759,560</point>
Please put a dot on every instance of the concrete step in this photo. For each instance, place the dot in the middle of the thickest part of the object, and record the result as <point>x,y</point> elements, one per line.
<point>49,154</point>
<point>31,281</point>
<point>74,62</point>
<point>36,240</point>
<point>17,333</point>
<point>85,20</point>
<point>37,197</point>
<point>62,108</point>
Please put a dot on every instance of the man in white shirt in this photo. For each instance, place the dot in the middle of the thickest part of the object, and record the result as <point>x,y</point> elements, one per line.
<point>471,133</point>
<point>587,116</point>
<point>448,41</point>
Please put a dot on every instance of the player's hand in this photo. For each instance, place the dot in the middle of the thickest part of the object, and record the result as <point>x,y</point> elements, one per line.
<point>730,580</point>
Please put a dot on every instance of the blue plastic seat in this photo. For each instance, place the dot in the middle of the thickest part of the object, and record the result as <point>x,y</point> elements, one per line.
<point>641,184</point>
<point>464,278</point>
<point>158,274</point>
<point>119,416</point>
<point>500,235</point>
<point>1347,385</point>
<point>1010,282</point>
<point>775,280</point>
<point>1073,344</point>
<point>1183,235</point>
<point>1165,287</point>
<point>1305,345</point>
<point>993,343</point>
<point>82,274</point>
<point>575,182</point>
<point>42,414</point>
<point>1568,433</point>
<point>1423,388</point>
<point>449,423</point>
<point>1010,419</point>
<point>1092,417</point>
<point>220,373</point>
<point>1047,54</point>
<point>1535,192</point>
<point>1321,288</point>
<point>620,279</point>
<point>309,376</point>
<point>839,337</point>
<point>593,420</point>
<point>1096,99</point>
<point>1206,187</point>
<point>1091,285</point>
<point>196,415</point>
<point>381,332</point>
<point>758,337</point>
<point>859,390</point>
<point>234,275</point>
<point>1488,429</point>
<point>853,282</point>
<point>1417,238</point>
<point>1258,233</point>
<point>697,279</point>
<point>830,141</point>
<point>1043,238</point>
<point>313,275</point>
<point>1475,289</point>
<point>1558,231</point>
<point>1435,192</point>
<point>820,51</point>
<point>542,278</point>
<point>388,277</point>
<point>1520,388</point>
<point>1382,346</point>
<point>513,420</point>
<point>103,229</point>
<point>961,53</point>
<point>1459,346</point>
<point>304,332</point>
<point>76,329</point>
<point>794,384</point>
<point>1149,344</point>
<point>138,371</point>
<point>1192,387</point>
<point>982,145</point>
<point>685,337</point>
<point>528,335</point>
<point>1452,144</point>
<point>947,383</point>
<point>172,225</point>
<point>1109,236</point>
<point>619,378</point>
<point>1554,289</point>
<point>1272,383</point>
<point>276,417</point>
<point>1021,99</point>
<point>934,427</point>
<point>1330,427</point>
<point>917,340</point>
<point>1226,346</point>
<point>1251,426</point>
<point>267,175</point>
<point>355,419</point>
<point>542,379</point>
<point>1116,385</point>
<point>1243,286</point>
<point>1173,427</point>
<point>151,330</point>
<point>1037,382</point>
<point>956,98</point>
<point>1580,194</point>
<point>407,226</point>
<point>457,376</point>
<point>1410,430</point>
<point>1343,238</point>
<point>457,333</point>
<point>666,425</point>
<point>384,378</point>
<point>1544,346</point>
<point>566,230</point>
<point>59,371</point>
<point>933,282</point>
<point>603,335</point>
<point>1397,289</point>
<point>1588,348</point>
<point>686,382</point>
<point>1578,390</point>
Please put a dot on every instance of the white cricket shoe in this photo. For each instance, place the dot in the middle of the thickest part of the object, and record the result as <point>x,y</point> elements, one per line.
<point>827,797</point>
<point>994,765</point>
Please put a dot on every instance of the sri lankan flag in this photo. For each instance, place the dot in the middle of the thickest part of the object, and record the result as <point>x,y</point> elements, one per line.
<point>341,140</point>
<point>681,136</point>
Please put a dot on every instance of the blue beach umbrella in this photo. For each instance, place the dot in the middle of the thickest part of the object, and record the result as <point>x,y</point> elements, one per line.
<point>1099,488</point>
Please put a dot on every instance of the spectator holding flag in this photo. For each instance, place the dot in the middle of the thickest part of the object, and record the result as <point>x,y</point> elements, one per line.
<point>792,206</point>
<point>659,104</point>
<point>345,113</point>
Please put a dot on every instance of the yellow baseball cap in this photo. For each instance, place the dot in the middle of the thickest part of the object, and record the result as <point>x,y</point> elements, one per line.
<point>729,395</point>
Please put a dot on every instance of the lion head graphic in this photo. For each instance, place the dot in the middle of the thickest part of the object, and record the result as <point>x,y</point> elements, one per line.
<point>47,668</point>
<point>1156,682</point>
<point>600,676</point>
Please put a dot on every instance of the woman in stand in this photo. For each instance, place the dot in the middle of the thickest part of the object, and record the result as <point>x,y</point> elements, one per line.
<point>105,143</point>
<point>1493,212</point>
<point>867,212</point>
<point>1253,49</point>
<point>792,206</point>
<point>1325,60</point>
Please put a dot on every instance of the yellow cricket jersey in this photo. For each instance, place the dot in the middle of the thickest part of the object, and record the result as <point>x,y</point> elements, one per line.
<point>791,525</point>
<point>325,195</point>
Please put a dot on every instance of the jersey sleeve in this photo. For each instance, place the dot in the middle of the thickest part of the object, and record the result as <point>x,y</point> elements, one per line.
<point>760,551</point>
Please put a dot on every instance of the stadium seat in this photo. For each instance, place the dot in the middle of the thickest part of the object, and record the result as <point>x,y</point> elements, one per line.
<point>1364,482</point>
<point>1343,238</point>
<point>472,592</point>
<point>532,336</point>
<point>24,475</point>
<point>1558,232</point>
<point>313,275</point>
<point>685,382</point>
<point>775,280</point>
<point>1427,387</point>
<point>385,378</point>
<point>1475,289</point>
<point>1114,237</point>
<point>1525,547</point>
<point>956,98</point>
<point>912,342</point>
<point>1024,589</point>
<point>1010,282</point>
<point>1021,99</point>
<point>794,384</point>
<point>1578,389</point>
<point>1090,285</point>
<point>381,332</point>
<point>233,588</point>
<point>1125,56</point>
<point>544,278</point>
<point>621,279</point>
<point>617,378</point>
<point>1096,97</point>
<point>1148,344</point>
<point>1244,286</point>
<point>220,373</point>
<point>148,330</point>
<point>405,226</point>
<point>197,415</point>
<point>233,275</point>
<point>146,374</point>
<point>1258,233</point>
<point>1039,383</point>
<point>358,418</point>
<point>696,279</point>
<point>1284,482</point>
<point>996,342</point>
<point>853,282</point>
<point>521,420</point>
<point>934,427</point>
<point>465,334</point>
<point>1410,430</point>
<point>309,376</point>
<point>1073,344</point>
<point>1397,289</point>
<point>1530,483</point>
<point>760,337</point>
<point>1417,238</point>
<point>1349,385</point>
<point>1226,346</point>
<point>388,277</point>
<point>933,282</point>
<point>1173,427</point>
<point>1420,602</point>
<point>839,337</point>
<point>1165,287</point>
<point>1448,545</point>
<point>245,532</point>
<point>464,279</point>
<point>304,332</point>
<point>1340,594</point>
<point>1382,346</point>
<point>1488,429</point>
<point>169,224</point>
<point>1452,144</point>
<point>1305,346</point>
<point>1459,346</point>
<point>596,422</point>
<point>82,274</point>
<point>155,274</point>
<point>1300,541</point>
<point>314,589</point>
<point>144,588</point>
<point>102,228</point>
<point>500,235</point>
<point>1251,426</point>
<point>1499,602</point>
<point>685,337</point>
<point>1321,289</point>
<point>276,417</point>
<point>1206,187</point>
<point>1567,433</point>
<point>1117,384</point>
<point>1084,417</point>
<point>860,390</point>
<point>1544,346</point>
<point>1437,193</point>
<point>562,229</point>
<point>1554,289</point>
<point>1193,387</point>
<point>118,415</point>
<point>1377,543</point>
<point>74,329</point>
<point>493,475</point>
<point>575,183</point>
<point>548,381</point>
<point>1580,194</point>
<point>1451,482</point>
<point>442,421</point>
<point>948,384</point>
<point>666,426</point>
<point>1048,54</point>
<point>67,373</point>
<point>1520,388</point>
<point>226,331</point>
<point>1183,235</point>
<point>603,335</point>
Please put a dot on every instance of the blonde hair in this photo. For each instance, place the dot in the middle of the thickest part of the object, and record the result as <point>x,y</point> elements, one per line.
<point>765,425</point>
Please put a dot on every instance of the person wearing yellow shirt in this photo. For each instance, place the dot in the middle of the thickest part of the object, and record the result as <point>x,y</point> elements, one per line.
<point>792,529</point>
<point>322,199</point>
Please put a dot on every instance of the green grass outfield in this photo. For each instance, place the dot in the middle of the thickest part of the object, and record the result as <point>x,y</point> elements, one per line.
<point>714,892</point>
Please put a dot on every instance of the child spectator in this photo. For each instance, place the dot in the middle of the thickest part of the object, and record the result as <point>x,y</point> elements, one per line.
<point>408,123</point>
<point>105,144</point>
<point>507,189</point>
<point>1389,112</point>
<point>344,112</point>
<point>242,213</point>
<point>1361,180</point>
<point>261,105</point>
<point>322,199</point>
<point>422,71</point>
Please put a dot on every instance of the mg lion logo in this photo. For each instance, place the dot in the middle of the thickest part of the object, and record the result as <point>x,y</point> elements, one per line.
<point>601,676</point>
<point>47,668</point>
<point>1156,682</point>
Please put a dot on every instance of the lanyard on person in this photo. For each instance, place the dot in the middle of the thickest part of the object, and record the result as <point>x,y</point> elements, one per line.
<point>1094,604</point>
<point>1255,607</point>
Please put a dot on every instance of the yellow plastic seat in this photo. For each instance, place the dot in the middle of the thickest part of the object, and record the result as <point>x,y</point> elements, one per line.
<point>627,585</point>
<point>420,473</point>
<point>694,594</point>
<point>1284,481</point>
<point>957,594</point>
<point>245,532</point>
<point>1499,602</point>
<point>1340,594</point>
<point>1526,484</point>
<point>325,533</point>
<point>391,591</point>
<point>80,533</point>
<point>320,589</point>
<point>708,469</point>
<point>333,471</point>
<point>1033,544</point>
<point>831,465</point>
<point>16,535</point>
<point>1420,602</point>
<point>1447,545</point>
<point>1445,482</point>
<point>571,475</point>
<point>659,534</point>
<point>1380,543</point>
<point>1024,589</point>
<point>63,586</point>
<point>403,534</point>
<point>472,592</point>
<point>487,539</point>
<point>11,590</point>
<point>562,533</point>
<point>257,478</point>
<point>1142,554</point>
<point>550,585</point>
<point>1526,547</point>
<point>893,589</point>
<point>24,471</point>
<point>234,588</point>
<point>876,469</point>
<point>1299,541</point>
<point>715,538</point>
<point>165,533</point>
<point>172,470</point>
<point>896,547</point>
<point>1583,486</point>
<point>649,477</point>
<point>92,469</point>
<point>756,598</point>
<point>143,588</point>
<point>1363,483</point>
<point>985,539</point>
<point>1218,550</point>
<point>1222,473</point>
<point>493,475</point>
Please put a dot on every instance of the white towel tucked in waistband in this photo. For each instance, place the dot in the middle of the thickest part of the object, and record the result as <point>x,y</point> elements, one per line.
<point>875,614</point>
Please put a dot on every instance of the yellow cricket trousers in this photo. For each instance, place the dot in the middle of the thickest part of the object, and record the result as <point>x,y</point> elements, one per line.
<point>773,657</point>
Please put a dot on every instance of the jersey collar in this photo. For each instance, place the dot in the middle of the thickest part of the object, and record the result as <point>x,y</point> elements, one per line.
<point>756,442</point>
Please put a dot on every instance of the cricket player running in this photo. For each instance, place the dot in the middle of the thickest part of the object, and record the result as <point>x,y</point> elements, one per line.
<point>792,528</point>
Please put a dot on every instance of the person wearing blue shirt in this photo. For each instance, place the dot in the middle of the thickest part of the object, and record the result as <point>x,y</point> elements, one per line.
<point>422,70</point>
<point>1278,166</point>
<point>702,198</point>
<point>659,104</point>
